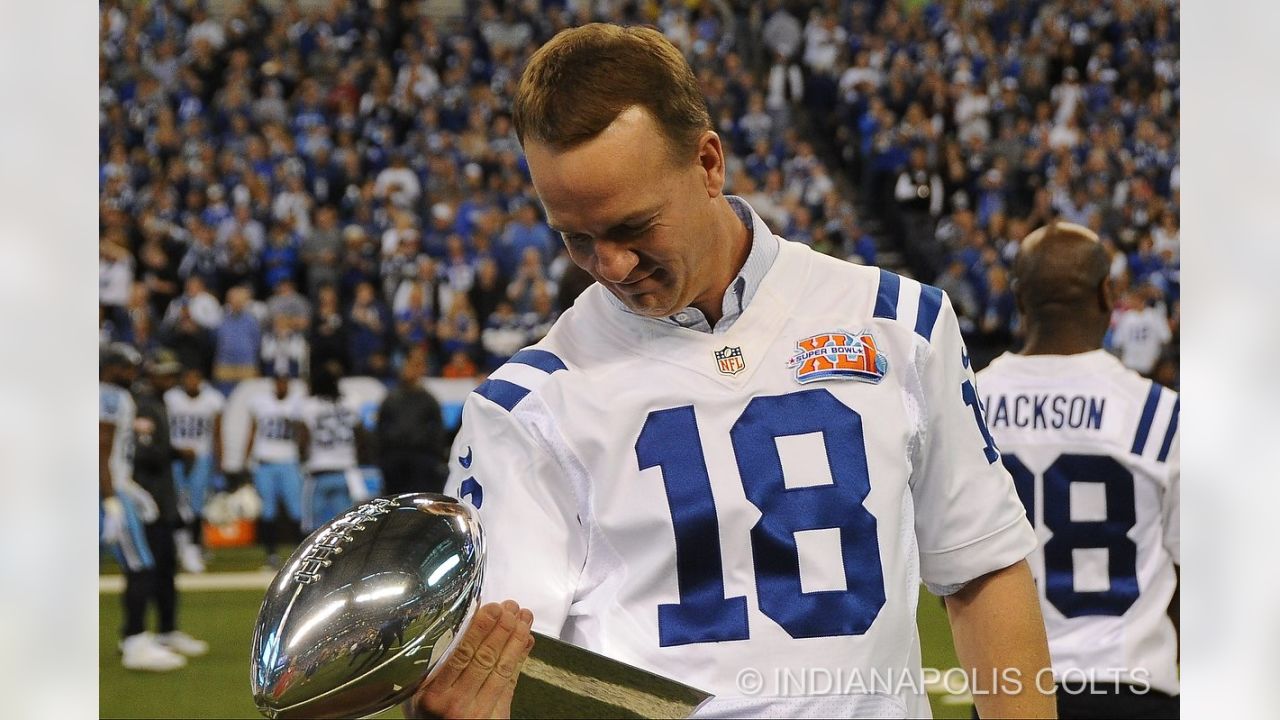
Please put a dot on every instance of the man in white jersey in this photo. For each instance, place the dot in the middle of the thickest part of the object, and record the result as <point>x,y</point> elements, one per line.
<point>125,508</point>
<point>195,428</point>
<point>272,452</point>
<point>733,460</point>
<point>1140,333</point>
<point>1093,449</point>
<point>329,435</point>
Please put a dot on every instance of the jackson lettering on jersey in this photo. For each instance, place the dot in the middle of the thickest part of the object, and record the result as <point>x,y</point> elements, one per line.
<point>767,496</point>
<point>1099,479</point>
<point>191,419</point>
<point>1041,411</point>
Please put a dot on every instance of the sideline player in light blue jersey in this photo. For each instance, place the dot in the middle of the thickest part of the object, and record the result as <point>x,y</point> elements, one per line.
<point>272,453</point>
<point>125,508</point>
<point>195,429</point>
<point>329,436</point>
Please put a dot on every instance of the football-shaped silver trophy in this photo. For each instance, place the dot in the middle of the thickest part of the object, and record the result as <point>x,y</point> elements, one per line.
<point>366,607</point>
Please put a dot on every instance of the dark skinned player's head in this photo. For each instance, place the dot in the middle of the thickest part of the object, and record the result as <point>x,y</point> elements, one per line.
<point>192,381</point>
<point>118,364</point>
<point>1061,283</point>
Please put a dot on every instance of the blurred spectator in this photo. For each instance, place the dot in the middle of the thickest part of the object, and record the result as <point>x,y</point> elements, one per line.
<point>410,433</point>
<point>525,233</point>
<point>542,313</point>
<point>139,326</point>
<point>918,193</point>
<point>237,263</point>
<point>460,365</point>
<point>359,260</point>
<point>285,352</point>
<point>457,330</point>
<point>201,258</point>
<point>489,288</point>
<point>424,275</point>
<point>202,305</point>
<point>505,333</point>
<point>115,276</point>
<point>286,302</point>
<point>955,283</point>
<point>1139,331</point>
<point>530,278</point>
<point>190,342</point>
<point>328,329</point>
<point>320,251</point>
<point>281,258</point>
<point>398,183</point>
<point>415,322</point>
<point>242,223</point>
<point>239,337</point>
<point>160,274</point>
<point>368,327</point>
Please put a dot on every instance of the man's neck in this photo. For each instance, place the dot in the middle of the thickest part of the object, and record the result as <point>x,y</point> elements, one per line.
<point>736,244</point>
<point>1045,340</point>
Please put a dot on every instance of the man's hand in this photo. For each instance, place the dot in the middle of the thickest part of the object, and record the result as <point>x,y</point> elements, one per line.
<point>111,529</point>
<point>143,504</point>
<point>478,678</point>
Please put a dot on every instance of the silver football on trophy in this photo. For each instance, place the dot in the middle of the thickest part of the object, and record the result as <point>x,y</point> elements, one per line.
<point>366,607</point>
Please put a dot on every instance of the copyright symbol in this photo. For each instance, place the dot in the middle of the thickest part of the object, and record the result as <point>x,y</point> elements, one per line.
<point>750,681</point>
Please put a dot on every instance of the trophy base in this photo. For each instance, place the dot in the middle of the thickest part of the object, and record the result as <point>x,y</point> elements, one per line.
<point>565,681</point>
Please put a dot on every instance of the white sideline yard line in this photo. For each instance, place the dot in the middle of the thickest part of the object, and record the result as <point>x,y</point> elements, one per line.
<point>191,582</point>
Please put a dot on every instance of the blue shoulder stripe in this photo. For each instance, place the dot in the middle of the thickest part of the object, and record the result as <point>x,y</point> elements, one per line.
<point>541,359</point>
<point>508,394</point>
<point>1148,414</point>
<point>930,305</point>
<point>887,296</point>
<point>1168,434</point>
<point>505,394</point>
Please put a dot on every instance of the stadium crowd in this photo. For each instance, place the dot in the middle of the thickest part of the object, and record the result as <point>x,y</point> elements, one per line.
<point>285,184</point>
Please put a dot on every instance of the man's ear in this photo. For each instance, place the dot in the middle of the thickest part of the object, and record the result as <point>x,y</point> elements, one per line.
<point>1016,288</point>
<point>1106,295</point>
<point>711,161</point>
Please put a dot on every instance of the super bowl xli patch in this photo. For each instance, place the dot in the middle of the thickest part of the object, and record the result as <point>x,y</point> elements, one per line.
<point>838,355</point>
<point>729,360</point>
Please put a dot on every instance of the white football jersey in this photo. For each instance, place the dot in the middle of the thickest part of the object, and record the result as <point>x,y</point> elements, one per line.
<point>332,429</point>
<point>116,406</point>
<point>1093,449</point>
<point>191,418</point>
<point>761,500</point>
<point>273,439</point>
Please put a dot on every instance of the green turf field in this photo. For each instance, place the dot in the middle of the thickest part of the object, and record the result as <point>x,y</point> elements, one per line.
<point>217,685</point>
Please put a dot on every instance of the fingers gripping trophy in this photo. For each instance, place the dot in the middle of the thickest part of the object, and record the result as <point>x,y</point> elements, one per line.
<point>380,607</point>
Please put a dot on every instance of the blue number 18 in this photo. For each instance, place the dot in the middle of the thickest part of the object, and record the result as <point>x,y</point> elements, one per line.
<point>670,441</point>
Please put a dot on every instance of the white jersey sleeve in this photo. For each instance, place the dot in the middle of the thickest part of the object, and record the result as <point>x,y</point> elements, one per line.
<point>1172,504</point>
<point>534,539</point>
<point>969,520</point>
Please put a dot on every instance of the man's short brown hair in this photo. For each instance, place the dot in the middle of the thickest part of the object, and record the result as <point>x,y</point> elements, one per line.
<point>582,79</point>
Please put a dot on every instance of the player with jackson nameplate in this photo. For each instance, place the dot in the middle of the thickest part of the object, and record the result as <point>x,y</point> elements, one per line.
<point>1093,449</point>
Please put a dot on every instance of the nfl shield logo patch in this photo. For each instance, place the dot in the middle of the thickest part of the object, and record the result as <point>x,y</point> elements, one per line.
<point>729,361</point>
